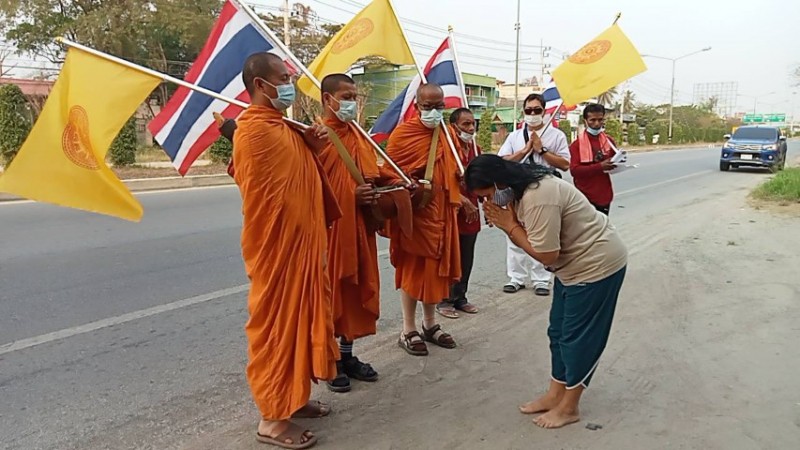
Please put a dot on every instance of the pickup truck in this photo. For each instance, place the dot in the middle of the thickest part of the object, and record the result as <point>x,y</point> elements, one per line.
<point>754,146</point>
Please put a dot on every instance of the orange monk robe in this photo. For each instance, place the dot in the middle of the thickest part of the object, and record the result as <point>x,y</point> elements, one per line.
<point>430,261</point>
<point>352,248</point>
<point>284,246</point>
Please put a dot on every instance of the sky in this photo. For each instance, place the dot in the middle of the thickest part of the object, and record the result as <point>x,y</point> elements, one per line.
<point>754,44</point>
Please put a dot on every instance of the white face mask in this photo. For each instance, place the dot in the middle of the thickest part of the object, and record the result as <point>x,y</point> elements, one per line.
<point>533,121</point>
<point>466,137</point>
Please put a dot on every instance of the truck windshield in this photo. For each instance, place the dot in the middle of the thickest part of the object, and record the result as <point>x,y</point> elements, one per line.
<point>766,134</point>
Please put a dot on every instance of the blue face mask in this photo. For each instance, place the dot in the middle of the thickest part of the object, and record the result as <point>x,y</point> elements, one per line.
<point>431,118</point>
<point>347,110</point>
<point>594,131</point>
<point>286,95</point>
<point>503,197</point>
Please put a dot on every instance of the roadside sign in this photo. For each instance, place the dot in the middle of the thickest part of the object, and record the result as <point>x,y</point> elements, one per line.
<point>753,118</point>
<point>775,117</point>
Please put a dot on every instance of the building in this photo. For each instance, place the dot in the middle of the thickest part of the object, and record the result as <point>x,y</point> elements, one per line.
<point>381,85</point>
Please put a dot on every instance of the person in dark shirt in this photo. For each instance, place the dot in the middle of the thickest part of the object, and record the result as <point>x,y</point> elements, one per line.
<point>590,159</point>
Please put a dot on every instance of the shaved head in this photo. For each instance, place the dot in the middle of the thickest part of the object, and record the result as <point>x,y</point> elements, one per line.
<point>430,96</point>
<point>334,81</point>
<point>430,89</point>
<point>263,65</point>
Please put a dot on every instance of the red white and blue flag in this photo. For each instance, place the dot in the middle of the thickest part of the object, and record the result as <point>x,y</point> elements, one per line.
<point>442,70</point>
<point>185,127</point>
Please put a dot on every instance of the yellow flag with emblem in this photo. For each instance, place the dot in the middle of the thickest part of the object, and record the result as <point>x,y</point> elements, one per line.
<point>375,31</point>
<point>63,159</point>
<point>606,61</point>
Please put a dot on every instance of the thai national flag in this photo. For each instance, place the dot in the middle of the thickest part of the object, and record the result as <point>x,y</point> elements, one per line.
<point>185,128</point>
<point>553,99</point>
<point>442,70</point>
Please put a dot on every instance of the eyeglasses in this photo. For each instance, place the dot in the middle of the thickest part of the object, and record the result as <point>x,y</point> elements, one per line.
<point>535,111</point>
<point>425,107</point>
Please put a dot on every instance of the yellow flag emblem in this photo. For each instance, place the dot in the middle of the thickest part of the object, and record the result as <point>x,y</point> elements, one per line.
<point>63,160</point>
<point>606,61</point>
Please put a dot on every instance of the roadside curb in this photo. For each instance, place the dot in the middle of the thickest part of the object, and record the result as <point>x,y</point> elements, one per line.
<point>156,184</point>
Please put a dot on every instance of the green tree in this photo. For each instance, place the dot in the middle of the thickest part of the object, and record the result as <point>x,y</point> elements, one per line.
<point>678,134</point>
<point>607,97</point>
<point>566,127</point>
<point>484,138</point>
<point>633,134</point>
<point>629,101</point>
<point>614,129</point>
<point>221,151</point>
<point>15,121</point>
<point>123,149</point>
<point>649,132</point>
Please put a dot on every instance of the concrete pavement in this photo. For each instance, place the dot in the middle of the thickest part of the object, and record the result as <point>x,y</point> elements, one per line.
<point>117,335</point>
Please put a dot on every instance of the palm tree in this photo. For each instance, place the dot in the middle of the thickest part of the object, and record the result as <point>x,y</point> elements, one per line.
<point>607,97</point>
<point>629,100</point>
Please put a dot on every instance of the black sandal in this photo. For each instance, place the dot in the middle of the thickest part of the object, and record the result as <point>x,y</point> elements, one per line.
<point>342,382</point>
<point>436,336</point>
<point>358,370</point>
<point>413,344</point>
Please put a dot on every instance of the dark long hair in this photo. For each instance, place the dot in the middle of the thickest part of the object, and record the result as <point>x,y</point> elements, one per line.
<point>488,170</point>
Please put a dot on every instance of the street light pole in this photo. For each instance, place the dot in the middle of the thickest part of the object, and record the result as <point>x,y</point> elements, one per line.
<point>516,68</point>
<point>672,87</point>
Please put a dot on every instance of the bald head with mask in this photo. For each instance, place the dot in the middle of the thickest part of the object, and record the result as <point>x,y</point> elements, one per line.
<point>430,102</point>
<point>268,81</point>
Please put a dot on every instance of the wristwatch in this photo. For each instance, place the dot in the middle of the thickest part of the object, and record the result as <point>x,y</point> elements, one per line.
<point>544,150</point>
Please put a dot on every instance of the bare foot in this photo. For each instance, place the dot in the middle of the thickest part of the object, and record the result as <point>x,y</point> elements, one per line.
<point>274,428</point>
<point>557,418</point>
<point>542,404</point>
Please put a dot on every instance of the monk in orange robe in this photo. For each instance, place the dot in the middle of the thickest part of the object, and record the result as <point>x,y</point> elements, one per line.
<point>352,246</point>
<point>286,203</point>
<point>428,262</point>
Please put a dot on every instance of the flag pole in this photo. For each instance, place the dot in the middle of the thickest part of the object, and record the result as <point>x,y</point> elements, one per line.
<point>619,14</point>
<point>451,36</point>
<point>165,77</point>
<point>424,80</point>
<point>258,21</point>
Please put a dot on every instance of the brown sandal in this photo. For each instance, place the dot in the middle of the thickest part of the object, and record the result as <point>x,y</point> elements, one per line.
<point>413,344</point>
<point>439,337</point>
<point>314,409</point>
<point>294,433</point>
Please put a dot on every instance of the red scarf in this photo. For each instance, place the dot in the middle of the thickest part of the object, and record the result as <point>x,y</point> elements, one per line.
<point>586,147</point>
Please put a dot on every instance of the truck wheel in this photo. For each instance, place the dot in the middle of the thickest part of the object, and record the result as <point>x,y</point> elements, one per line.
<point>723,166</point>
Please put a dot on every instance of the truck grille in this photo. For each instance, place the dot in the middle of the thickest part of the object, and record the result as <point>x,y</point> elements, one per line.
<point>748,147</point>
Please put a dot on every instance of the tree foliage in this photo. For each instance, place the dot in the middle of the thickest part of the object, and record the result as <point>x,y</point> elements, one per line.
<point>566,127</point>
<point>221,151</point>
<point>484,137</point>
<point>633,134</point>
<point>123,149</point>
<point>15,121</point>
<point>614,129</point>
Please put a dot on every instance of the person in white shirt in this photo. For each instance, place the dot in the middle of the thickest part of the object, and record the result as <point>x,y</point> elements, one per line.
<point>547,147</point>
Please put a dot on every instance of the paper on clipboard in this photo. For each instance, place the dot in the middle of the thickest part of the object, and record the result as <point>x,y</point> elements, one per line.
<point>621,168</point>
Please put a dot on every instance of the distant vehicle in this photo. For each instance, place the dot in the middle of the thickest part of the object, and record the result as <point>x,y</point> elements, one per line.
<point>754,146</point>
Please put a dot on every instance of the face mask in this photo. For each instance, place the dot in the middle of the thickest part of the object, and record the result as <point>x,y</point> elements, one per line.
<point>431,118</point>
<point>533,121</point>
<point>466,137</point>
<point>502,197</point>
<point>286,94</point>
<point>347,111</point>
<point>594,131</point>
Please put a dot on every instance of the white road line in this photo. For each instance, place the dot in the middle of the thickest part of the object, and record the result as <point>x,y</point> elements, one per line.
<point>135,315</point>
<point>661,183</point>
<point>136,194</point>
<point>111,321</point>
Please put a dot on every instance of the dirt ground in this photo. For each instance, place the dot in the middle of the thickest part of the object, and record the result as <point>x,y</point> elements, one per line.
<point>703,355</point>
<point>134,172</point>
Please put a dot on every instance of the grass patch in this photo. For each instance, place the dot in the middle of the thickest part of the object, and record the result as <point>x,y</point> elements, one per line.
<point>783,187</point>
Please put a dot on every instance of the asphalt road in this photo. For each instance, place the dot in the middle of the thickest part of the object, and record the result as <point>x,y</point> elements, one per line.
<point>106,326</point>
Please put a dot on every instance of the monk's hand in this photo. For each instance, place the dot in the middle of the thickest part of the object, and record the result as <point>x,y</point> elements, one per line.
<point>366,195</point>
<point>411,186</point>
<point>316,137</point>
<point>470,210</point>
<point>502,218</point>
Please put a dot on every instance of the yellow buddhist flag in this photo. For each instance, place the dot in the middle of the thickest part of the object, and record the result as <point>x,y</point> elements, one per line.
<point>63,159</point>
<point>375,31</point>
<point>598,66</point>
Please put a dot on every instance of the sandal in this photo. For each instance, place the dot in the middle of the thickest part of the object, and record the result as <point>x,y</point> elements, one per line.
<point>342,382</point>
<point>464,305</point>
<point>354,368</point>
<point>314,409</point>
<point>513,287</point>
<point>413,344</point>
<point>446,309</point>
<point>437,336</point>
<point>294,434</point>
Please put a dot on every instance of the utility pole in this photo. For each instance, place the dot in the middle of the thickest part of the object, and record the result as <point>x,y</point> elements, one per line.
<point>286,38</point>
<point>516,69</point>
